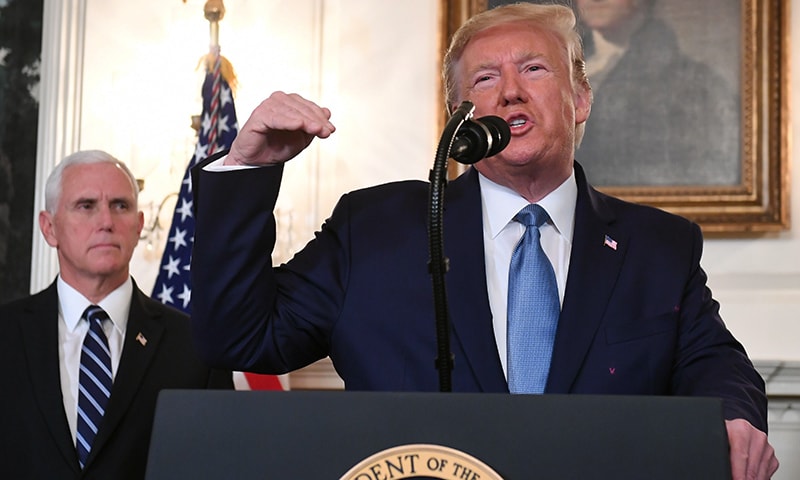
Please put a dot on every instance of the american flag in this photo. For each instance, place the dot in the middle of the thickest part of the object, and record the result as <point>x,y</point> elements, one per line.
<point>610,243</point>
<point>218,129</point>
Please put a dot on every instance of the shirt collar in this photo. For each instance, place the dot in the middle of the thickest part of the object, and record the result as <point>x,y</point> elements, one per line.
<point>501,204</point>
<point>117,304</point>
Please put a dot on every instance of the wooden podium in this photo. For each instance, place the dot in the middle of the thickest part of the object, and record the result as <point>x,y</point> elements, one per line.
<point>324,435</point>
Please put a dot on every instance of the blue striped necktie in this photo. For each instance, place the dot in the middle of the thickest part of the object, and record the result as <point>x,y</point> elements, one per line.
<point>533,307</point>
<point>94,381</point>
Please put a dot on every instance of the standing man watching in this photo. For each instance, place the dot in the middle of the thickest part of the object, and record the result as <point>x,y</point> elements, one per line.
<point>83,361</point>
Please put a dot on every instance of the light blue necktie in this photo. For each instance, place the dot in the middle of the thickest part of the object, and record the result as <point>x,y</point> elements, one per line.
<point>533,307</point>
<point>94,381</point>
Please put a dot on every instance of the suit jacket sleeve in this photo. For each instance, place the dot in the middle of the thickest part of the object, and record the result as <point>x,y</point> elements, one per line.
<point>234,286</point>
<point>712,361</point>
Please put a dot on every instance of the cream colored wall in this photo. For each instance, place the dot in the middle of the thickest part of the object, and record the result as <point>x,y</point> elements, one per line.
<point>375,65</point>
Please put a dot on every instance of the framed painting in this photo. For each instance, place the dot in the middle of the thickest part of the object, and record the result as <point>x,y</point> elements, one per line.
<point>690,106</point>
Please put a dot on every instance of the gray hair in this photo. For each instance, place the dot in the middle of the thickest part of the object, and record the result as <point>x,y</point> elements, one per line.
<point>53,187</point>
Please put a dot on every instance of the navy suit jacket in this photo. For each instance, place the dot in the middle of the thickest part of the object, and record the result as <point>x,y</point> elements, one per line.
<point>35,440</point>
<point>636,319</point>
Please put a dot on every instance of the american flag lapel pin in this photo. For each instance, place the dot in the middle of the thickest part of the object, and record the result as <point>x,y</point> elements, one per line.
<point>140,338</point>
<point>610,243</point>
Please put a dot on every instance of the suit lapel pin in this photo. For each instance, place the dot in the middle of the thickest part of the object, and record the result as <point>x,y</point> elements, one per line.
<point>610,243</point>
<point>140,338</point>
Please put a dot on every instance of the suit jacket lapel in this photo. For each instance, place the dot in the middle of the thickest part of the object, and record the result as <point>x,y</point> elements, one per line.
<point>40,338</point>
<point>468,299</point>
<point>142,337</point>
<point>594,267</point>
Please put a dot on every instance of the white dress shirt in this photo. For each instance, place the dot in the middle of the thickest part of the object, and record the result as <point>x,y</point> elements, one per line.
<point>71,331</point>
<point>501,235</point>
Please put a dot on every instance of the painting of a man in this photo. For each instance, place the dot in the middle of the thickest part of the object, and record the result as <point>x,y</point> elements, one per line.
<point>660,117</point>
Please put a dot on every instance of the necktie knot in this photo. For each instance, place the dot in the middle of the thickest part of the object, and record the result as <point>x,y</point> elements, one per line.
<point>95,314</point>
<point>532,215</point>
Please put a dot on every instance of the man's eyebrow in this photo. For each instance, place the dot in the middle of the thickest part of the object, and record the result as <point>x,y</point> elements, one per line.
<point>522,57</point>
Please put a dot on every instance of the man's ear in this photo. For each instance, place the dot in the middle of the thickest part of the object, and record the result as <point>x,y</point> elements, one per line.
<point>453,107</point>
<point>46,225</point>
<point>141,223</point>
<point>583,103</point>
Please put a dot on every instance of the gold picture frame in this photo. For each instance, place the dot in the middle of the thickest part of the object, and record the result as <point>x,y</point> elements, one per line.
<point>759,201</point>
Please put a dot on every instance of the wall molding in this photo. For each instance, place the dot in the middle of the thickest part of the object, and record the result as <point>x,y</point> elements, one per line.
<point>782,378</point>
<point>58,133</point>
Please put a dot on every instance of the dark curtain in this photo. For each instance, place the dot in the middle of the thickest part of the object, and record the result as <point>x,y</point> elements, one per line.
<point>21,53</point>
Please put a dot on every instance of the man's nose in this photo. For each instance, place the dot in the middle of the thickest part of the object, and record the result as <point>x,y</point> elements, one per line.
<point>511,89</point>
<point>105,217</point>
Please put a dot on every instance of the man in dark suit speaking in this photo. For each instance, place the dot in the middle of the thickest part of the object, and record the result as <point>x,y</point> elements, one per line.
<point>620,304</point>
<point>83,361</point>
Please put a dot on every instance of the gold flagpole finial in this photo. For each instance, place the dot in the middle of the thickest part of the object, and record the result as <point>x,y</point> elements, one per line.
<point>214,10</point>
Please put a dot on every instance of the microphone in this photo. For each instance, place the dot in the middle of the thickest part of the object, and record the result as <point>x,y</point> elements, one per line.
<point>480,138</point>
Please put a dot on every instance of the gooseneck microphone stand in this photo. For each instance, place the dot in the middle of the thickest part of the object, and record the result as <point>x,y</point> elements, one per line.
<point>438,263</point>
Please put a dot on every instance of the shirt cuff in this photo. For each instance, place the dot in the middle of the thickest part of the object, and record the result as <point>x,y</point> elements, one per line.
<point>217,166</point>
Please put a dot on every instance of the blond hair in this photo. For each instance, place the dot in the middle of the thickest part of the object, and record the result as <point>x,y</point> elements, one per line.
<point>554,18</point>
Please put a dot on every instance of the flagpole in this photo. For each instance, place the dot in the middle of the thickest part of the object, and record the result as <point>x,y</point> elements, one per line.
<point>214,11</point>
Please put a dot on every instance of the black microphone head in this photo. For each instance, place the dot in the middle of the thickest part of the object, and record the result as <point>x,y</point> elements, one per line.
<point>500,131</point>
<point>480,138</point>
<point>464,109</point>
